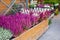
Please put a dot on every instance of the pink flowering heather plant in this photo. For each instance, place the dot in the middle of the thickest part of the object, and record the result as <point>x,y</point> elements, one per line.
<point>12,23</point>
<point>21,21</point>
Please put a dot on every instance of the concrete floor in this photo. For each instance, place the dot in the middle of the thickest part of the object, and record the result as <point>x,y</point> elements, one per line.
<point>53,33</point>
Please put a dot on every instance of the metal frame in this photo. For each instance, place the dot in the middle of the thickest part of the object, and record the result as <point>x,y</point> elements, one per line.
<point>26,3</point>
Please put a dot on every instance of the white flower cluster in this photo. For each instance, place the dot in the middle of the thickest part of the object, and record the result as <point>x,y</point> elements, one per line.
<point>44,9</point>
<point>25,11</point>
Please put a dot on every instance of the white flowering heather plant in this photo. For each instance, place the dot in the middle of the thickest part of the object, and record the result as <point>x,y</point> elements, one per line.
<point>5,34</point>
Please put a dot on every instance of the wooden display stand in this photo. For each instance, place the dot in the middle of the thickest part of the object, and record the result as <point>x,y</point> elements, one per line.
<point>35,32</point>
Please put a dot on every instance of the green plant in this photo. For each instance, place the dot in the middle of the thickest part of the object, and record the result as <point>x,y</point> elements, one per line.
<point>32,6</point>
<point>49,22</point>
<point>51,2</point>
<point>57,12</point>
<point>5,34</point>
<point>16,8</point>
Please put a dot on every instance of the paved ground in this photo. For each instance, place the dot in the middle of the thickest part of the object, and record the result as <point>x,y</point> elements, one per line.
<point>53,33</point>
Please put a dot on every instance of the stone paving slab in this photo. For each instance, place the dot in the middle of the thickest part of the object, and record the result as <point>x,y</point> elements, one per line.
<point>53,33</point>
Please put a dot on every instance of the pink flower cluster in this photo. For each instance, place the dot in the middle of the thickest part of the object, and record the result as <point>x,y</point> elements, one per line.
<point>20,21</point>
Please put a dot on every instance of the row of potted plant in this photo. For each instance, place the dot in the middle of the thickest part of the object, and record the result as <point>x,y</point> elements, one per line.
<point>23,20</point>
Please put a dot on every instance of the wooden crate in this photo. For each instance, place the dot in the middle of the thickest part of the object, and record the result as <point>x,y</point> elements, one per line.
<point>35,32</point>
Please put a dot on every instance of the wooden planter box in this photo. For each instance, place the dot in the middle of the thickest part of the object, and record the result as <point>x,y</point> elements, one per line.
<point>35,32</point>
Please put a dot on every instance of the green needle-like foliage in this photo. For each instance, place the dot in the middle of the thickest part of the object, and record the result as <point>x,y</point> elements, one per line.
<point>5,34</point>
